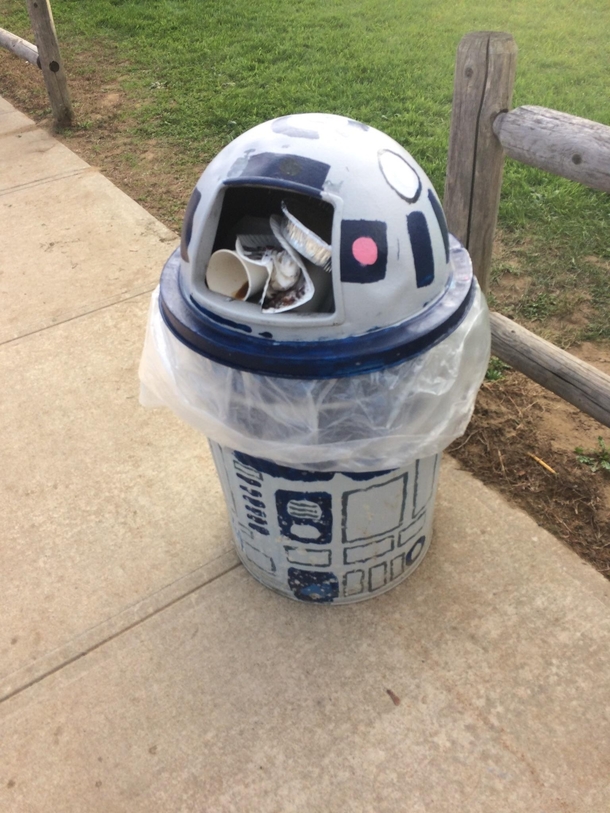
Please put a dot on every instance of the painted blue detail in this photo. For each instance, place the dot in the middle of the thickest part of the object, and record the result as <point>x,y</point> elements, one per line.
<point>384,568</point>
<point>366,475</point>
<point>309,585</point>
<point>247,480</point>
<point>259,529</point>
<point>422,248</point>
<point>416,487</point>
<point>409,557</point>
<point>266,335</point>
<point>346,582</point>
<point>297,554</point>
<point>397,566</point>
<point>187,226</point>
<point>368,551</point>
<point>297,475</point>
<point>283,170</point>
<point>442,223</point>
<point>258,519</point>
<point>251,501</point>
<point>351,269</point>
<point>206,333</point>
<point>318,515</point>
<point>256,512</point>
<point>250,491</point>
<point>287,473</point>
<point>408,534</point>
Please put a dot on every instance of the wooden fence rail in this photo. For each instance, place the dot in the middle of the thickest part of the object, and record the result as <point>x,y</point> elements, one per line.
<point>482,128</point>
<point>565,145</point>
<point>20,47</point>
<point>574,380</point>
<point>46,55</point>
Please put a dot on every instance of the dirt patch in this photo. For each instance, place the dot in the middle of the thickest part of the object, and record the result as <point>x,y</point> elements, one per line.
<point>600,263</point>
<point>521,441</point>
<point>105,135</point>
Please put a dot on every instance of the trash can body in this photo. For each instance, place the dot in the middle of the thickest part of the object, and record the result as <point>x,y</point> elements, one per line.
<point>323,537</point>
<point>326,333</point>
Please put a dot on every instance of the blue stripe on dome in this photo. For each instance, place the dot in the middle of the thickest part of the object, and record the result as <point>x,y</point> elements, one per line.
<point>442,223</point>
<point>198,329</point>
<point>419,234</point>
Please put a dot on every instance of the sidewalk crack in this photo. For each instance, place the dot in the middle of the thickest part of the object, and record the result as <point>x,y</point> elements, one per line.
<point>62,655</point>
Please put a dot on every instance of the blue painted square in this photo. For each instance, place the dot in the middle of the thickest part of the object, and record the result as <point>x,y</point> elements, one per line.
<point>294,169</point>
<point>353,270</point>
<point>310,585</point>
<point>305,516</point>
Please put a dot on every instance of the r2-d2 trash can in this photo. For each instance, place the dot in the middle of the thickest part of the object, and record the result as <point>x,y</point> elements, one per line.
<point>321,327</point>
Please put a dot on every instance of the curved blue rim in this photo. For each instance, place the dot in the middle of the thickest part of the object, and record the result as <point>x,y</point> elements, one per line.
<point>233,345</point>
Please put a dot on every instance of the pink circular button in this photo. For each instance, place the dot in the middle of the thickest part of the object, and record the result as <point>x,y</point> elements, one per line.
<point>365,250</point>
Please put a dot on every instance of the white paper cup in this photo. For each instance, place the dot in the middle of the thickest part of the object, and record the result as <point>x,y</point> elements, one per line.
<point>231,275</point>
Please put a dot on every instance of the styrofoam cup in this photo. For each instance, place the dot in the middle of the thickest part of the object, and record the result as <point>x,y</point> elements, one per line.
<point>231,275</point>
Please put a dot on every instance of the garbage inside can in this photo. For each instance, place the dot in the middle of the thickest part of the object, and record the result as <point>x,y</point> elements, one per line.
<point>321,327</point>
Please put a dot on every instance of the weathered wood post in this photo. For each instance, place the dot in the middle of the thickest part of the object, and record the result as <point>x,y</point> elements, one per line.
<point>41,18</point>
<point>482,128</point>
<point>483,88</point>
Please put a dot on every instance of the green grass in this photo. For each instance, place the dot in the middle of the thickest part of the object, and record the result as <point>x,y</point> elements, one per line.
<point>200,72</point>
<point>597,459</point>
<point>496,369</point>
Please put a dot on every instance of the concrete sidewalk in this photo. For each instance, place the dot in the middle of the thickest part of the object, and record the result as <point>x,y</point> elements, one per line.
<point>142,669</point>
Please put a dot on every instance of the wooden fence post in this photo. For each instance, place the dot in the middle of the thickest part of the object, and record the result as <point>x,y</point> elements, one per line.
<point>41,18</point>
<point>483,87</point>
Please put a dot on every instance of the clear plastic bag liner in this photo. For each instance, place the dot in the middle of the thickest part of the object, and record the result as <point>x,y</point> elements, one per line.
<point>380,420</point>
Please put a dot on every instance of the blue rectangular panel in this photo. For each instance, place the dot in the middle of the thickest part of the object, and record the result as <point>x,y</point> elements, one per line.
<point>364,251</point>
<point>293,169</point>
<point>305,516</point>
